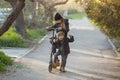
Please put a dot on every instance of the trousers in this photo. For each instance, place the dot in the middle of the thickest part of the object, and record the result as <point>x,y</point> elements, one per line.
<point>63,57</point>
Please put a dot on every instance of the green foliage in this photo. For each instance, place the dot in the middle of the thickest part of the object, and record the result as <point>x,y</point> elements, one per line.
<point>106,14</point>
<point>2,67</point>
<point>118,49</point>
<point>2,53</point>
<point>76,15</point>
<point>36,33</point>
<point>11,39</point>
<point>4,61</point>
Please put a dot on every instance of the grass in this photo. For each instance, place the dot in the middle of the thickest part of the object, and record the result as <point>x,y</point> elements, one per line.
<point>11,39</point>
<point>2,67</point>
<point>4,61</point>
<point>36,33</point>
<point>76,15</point>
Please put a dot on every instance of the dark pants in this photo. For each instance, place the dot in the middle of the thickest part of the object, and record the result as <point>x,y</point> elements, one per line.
<point>63,58</point>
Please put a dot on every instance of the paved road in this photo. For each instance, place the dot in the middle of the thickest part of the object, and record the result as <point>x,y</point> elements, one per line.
<point>91,58</point>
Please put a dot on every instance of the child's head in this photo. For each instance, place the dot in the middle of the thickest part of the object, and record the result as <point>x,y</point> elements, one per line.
<point>60,35</point>
<point>58,18</point>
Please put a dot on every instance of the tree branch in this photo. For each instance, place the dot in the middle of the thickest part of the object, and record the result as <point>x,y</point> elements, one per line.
<point>60,3</point>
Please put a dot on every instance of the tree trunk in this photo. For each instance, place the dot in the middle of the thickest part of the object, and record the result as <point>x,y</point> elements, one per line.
<point>20,25</point>
<point>13,16</point>
<point>50,8</point>
<point>19,22</point>
<point>34,15</point>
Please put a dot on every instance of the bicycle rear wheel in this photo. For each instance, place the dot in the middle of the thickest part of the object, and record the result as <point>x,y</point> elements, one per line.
<point>50,67</point>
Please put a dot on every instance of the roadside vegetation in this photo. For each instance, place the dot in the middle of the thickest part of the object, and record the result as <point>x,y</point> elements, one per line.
<point>12,39</point>
<point>106,15</point>
<point>76,15</point>
<point>4,61</point>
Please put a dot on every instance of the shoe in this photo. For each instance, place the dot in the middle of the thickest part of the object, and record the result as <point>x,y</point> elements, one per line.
<point>54,65</point>
<point>62,69</point>
<point>57,63</point>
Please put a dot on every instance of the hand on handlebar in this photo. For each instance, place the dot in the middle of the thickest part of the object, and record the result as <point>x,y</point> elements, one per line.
<point>71,35</point>
<point>60,28</point>
<point>47,28</point>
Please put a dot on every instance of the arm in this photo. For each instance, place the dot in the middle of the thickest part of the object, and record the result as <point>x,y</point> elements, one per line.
<point>67,24</point>
<point>50,28</point>
<point>71,39</point>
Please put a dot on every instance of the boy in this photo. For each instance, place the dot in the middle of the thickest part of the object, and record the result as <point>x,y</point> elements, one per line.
<point>62,44</point>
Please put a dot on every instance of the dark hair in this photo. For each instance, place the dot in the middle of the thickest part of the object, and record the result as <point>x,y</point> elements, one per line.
<point>61,33</point>
<point>58,16</point>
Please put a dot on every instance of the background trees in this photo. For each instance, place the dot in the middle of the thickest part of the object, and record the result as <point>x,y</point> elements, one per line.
<point>19,5</point>
<point>27,18</point>
<point>35,13</point>
<point>39,13</point>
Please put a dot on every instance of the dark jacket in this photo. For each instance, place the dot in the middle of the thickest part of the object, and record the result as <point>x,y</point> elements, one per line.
<point>63,45</point>
<point>57,25</point>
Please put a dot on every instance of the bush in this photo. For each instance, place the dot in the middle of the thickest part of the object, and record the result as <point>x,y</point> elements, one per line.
<point>2,53</point>
<point>36,33</point>
<point>2,67</point>
<point>4,61</point>
<point>106,14</point>
<point>11,39</point>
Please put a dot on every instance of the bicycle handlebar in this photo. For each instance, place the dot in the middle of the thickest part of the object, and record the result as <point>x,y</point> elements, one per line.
<point>53,28</point>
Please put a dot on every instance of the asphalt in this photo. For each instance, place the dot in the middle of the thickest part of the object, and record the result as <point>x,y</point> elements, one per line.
<point>15,52</point>
<point>91,58</point>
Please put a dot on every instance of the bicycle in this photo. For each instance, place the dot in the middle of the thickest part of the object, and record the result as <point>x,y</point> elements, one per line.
<point>52,40</point>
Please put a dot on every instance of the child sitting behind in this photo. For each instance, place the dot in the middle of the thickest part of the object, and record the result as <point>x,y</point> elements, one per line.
<point>62,44</point>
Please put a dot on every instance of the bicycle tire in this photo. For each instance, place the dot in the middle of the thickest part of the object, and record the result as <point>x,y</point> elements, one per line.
<point>50,68</point>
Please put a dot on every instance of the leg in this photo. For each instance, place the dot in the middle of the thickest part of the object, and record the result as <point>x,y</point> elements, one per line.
<point>63,62</point>
<point>56,60</point>
<point>56,55</point>
<point>53,49</point>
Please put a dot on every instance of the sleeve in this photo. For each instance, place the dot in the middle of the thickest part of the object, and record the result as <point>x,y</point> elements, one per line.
<point>67,24</point>
<point>50,28</point>
<point>71,39</point>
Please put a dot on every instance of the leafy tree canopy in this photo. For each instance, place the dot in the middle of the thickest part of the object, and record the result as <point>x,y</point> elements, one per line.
<point>105,13</point>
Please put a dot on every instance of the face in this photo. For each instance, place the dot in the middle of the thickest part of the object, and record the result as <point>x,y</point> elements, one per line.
<point>61,37</point>
<point>58,21</point>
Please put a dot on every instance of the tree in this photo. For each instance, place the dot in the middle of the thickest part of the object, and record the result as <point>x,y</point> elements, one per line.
<point>13,16</point>
<point>19,22</point>
<point>49,6</point>
<point>106,14</point>
<point>17,14</point>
